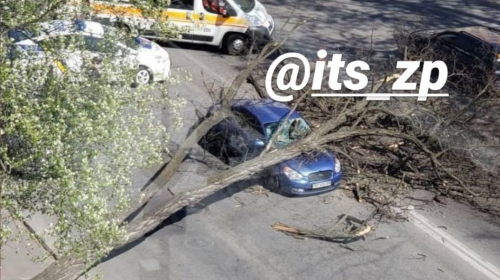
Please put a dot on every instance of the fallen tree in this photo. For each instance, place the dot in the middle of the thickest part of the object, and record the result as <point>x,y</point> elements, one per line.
<point>377,141</point>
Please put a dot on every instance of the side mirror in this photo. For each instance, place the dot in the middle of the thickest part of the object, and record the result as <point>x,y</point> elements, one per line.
<point>259,143</point>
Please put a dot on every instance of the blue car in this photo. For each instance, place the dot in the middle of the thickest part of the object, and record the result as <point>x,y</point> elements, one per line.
<point>245,134</point>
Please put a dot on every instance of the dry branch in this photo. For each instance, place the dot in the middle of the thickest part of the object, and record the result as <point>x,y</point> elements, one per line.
<point>332,236</point>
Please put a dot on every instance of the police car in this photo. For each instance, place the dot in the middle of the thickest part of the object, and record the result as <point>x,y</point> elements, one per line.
<point>150,61</point>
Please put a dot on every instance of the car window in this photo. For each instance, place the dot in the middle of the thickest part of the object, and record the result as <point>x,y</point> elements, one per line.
<point>132,43</point>
<point>182,4</point>
<point>447,38</point>
<point>249,119</point>
<point>65,42</point>
<point>18,35</point>
<point>465,43</point>
<point>483,51</point>
<point>100,45</point>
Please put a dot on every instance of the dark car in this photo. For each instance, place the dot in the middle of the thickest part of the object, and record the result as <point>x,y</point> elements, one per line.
<point>244,135</point>
<point>471,53</point>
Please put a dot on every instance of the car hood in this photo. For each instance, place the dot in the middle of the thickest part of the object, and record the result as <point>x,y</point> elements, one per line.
<point>313,162</point>
<point>151,53</point>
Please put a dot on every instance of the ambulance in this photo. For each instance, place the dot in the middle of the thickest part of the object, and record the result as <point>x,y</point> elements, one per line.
<point>232,25</point>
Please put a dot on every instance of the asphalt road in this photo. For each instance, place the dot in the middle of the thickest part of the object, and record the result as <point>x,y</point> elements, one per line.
<point>230,235</point>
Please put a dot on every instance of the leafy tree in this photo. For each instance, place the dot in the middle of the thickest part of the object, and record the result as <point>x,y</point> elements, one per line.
<point>71,139</point>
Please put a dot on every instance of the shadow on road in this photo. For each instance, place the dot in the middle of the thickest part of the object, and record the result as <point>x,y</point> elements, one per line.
<point>187,211</point>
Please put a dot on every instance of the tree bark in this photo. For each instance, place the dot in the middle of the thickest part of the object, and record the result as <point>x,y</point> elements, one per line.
<point>176,161</point>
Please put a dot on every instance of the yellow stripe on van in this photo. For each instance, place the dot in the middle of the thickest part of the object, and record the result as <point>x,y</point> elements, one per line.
<point>177,16</point>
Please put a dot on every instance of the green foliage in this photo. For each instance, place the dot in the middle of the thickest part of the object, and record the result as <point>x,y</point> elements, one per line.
<point>72,140</point>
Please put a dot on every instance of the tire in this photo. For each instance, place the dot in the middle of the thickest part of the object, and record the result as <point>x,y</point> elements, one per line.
<point>236,44</point>
<point>143,76</point>
<point>274,183</point>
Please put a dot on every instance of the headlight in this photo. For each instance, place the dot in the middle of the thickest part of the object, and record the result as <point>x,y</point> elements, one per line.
<point>337,165</point>
<point>254,21</point>
<point>292,174</point>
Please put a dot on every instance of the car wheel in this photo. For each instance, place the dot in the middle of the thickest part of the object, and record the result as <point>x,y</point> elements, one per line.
<point>143,76</point>
<point>236,44</point>
<point>274,183</point>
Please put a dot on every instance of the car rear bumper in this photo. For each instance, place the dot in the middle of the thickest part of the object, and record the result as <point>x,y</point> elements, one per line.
<point>304,187</point>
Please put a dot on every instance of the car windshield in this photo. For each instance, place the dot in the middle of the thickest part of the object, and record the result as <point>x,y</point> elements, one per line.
<point>245,5</point>
<point>293,130</point>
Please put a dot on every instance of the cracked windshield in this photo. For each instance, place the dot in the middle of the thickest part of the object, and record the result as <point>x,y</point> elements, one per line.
<point>287,131</point>
<point>249,139</point>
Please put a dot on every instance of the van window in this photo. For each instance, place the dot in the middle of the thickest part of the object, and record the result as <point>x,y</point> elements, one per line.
<point>211,6</point>
<point>245,5</point>
<point>182,4</point>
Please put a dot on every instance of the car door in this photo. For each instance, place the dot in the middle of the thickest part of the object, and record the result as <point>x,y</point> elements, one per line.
<point>101,48</point>
<point>212,25</point>
<point>216,140</point>
<point>251,133</point>
<point>465,47</point>
<point>485,56</point>
<point>443,47</point>
<point>66,51</point>
<point>451,48</point>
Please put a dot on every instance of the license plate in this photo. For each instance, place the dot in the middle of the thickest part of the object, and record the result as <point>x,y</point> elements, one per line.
<point>321,185</point>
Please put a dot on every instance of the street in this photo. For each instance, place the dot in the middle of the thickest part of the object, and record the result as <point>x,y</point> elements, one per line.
<point>229,235</point>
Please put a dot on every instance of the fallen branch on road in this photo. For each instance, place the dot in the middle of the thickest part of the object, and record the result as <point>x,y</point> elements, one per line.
<point>332,236</point>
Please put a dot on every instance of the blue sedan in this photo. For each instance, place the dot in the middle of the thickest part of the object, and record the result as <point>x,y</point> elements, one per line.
<point>244,135</point>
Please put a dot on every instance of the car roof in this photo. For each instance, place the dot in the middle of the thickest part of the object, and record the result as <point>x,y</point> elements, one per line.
<point>483,33</point>
<point>486,34</point>
<point>265,110</point>
<point>66,26</point>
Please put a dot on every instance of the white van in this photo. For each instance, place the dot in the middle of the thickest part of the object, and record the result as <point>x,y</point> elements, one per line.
<point>230,24</point>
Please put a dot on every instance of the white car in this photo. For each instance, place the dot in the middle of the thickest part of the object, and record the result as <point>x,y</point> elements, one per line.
<point>151,61</point>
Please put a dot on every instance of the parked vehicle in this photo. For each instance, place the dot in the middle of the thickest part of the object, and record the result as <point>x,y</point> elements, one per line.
<point>244,136</point>
<point>80,40</point>
<point>473,51</point>
<point>232,25</point>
